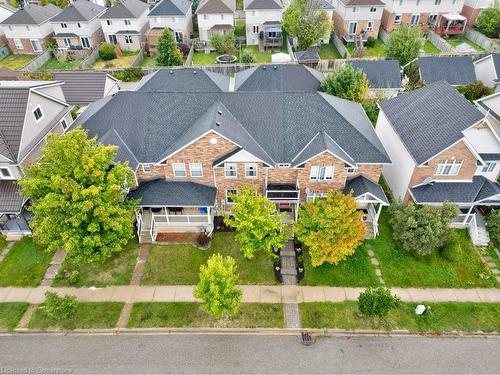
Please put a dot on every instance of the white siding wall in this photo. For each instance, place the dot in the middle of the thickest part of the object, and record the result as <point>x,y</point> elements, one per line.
<point>398,174</point>
<point>425,6</point>
<point>111,87</point>
<point>485,71</point>
<point>257,18</point>
<point>21,31</point>
<point>478,4</point>
<point>204,25</point>
<point>86,29</point>
<point>363,13</point>
<point>5,13</point>
<point>118,24</point>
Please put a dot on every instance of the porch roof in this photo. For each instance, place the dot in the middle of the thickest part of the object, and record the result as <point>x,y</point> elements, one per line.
<point>160,192</point>
<point>480,190</point>
<point>361,185</point>
<point>11,201</point>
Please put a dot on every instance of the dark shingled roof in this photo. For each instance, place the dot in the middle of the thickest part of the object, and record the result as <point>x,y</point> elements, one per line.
<point>11,201</point>
<point>496,62</point>
<point>13,103</point>
<point>490,156</point>
<point>326,5</point>
<point>262,4</point>
<point>382,74</point>
<point>311,54</point>
<point>360,185</point>
<point>216,6</point>
<point>171,8</point>
<point>430,119</point>
<point>184,80</point>
<point>32,14</point>
<point>159,192</point>
<point>82,87</point>
<point>284,77</point>
<point>456,192</point>
<point>79,10</point>
<point>126,9</point>
<point>363,2</point>
<point>456,70</point>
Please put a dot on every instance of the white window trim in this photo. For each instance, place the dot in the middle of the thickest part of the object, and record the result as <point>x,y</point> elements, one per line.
<point>20,45</point>
<point>247,165</point>
<point>396,20</point>
<point>146,168</point>
<point>226,169</point>
<point>183,168</point>
<point>65,126</point>
<point>191,169</point>
<point>321,174</point>
<point>369,28</point>
<point>33,112</point>
<point>454,170</point>
<point>418,19</point>
<point>373,11</point>
<point>489,167</point>
<point>127,22</point>
<point>351,170</point>
<point>9,177</point>
<point>227,198</point>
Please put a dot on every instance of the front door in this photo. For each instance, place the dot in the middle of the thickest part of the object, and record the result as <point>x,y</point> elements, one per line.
<point>112,39</point>
<point>85,42</point>
<point>35,44</point>
<point>353,26</point>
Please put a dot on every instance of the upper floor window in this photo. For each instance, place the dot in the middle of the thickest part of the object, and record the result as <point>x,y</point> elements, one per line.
<point>28,27</point>
<point>437,2</point>
<point>179,169</point>
<point>12,28</point>
<point>109,22</point>
<point>37,113</point>
<point>64,25</point>
<point>449,168</point>
<point>146,168</point>
<point>5,173</point>
<point>174,19</point>
<point>79,25</point>
<point>355,9</point>
<point>196,169</point>
<point>205,17</point>
<point>256,29</point>
<point>373,9</point>
<point>351,170</point>
<point>254,13</point>
<point>221,16</point>
<point>127,23</point>
<point>230,170</point>
<point>489,167</point>
<point>251,170</point>
<point>321,173</point>
<point>158,19</point>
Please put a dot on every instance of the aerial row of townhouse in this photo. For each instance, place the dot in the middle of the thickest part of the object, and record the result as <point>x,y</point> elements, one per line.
<point>130,23</point>
<point>193,137</point>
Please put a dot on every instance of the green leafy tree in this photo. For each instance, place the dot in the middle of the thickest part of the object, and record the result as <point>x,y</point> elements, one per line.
<point>347,83</point>
<point>331,228</point>
<point>475,91</point>
<point>224,44</point>
<point>377,302</point>
<point>306,20</point>
<point>107,51</point>
<point>258,225</point>
<point>218,286</point>
<point>489,20</point>
<point>421,229</point>
<point>78,199</point>
<point>58,3</point>
<point>247,57</point>
<point>404,43</point>
<point>59,308</point>
<point>493,226</point>
<point>371,108</point>
<point>167,52</point>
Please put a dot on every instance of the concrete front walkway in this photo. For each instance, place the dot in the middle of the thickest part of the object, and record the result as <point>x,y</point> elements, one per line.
<point>251,293</point>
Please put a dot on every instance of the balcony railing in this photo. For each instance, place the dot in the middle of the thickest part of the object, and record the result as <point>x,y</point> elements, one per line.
<point>452,30</point>
<point>283,192</point>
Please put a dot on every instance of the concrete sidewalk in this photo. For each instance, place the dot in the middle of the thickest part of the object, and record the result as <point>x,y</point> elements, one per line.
<point>251,293</point>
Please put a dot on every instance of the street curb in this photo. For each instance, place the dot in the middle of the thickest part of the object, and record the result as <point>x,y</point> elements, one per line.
<point>329,332</point>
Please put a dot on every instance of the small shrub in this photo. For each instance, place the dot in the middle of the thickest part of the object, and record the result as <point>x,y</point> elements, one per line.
<point>40,76</point>
<point>493,226</point>
<point>129,74</point>
<point>488,20</point>
<point>107,51</point>
<point>451,250</point>
<point>203,240</point>
<point>370,42</point>
<point>59,308</point>
<point>74,276</point>
<point>247,57</point>
<point>371,109</point>
<point>475,91</point>
<point>224,44</point>
<point>377,302</point>
<point>184,48</point>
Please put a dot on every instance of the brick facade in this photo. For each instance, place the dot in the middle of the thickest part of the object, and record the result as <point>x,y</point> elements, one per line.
<point>96,38</point>
<point>341,26</point>
<point>471,14</point>
<point>27,47</point>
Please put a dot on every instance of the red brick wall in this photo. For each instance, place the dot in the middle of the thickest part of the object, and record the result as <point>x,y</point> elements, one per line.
<point>28,49</point>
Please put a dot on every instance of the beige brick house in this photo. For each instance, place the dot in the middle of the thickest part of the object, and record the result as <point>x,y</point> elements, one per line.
<point>357,19</point>
<point>193,137</point>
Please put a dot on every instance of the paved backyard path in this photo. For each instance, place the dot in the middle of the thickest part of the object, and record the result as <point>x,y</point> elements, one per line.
<point>251,293</point>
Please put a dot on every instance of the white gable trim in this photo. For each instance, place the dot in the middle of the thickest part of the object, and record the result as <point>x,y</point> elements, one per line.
<point>242,156</point>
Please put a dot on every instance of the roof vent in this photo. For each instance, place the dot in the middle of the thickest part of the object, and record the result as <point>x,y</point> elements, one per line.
<point>275,67</point>
<point>194,72</point>
<point>217,123</point>
<point>219,112</point>
<point>171,72</point>
<point>264,67</point>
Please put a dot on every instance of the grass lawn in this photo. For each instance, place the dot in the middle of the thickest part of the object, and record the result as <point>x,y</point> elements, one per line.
<point>3,243</point>
<point>54,64</point>
<point>328,52</point>
<point>355,271</point>
<point>401,269</point>
<point>260,57</point>
<point>149,61</point>
<point>24,265</point>
<point>455,40</point>
<point>11,313</point>
<point>488,251</point>
<point>185,314</point>
<point>115,271</point>
<point>16,62</point>
<point>430,48</point>
<point>87,315</point>
<point>202,58</point>
<point>180,264</point>
<point>122,62</point>
<point>240,30</point>
<point>239,4</point>
<point>444,317</point>
<point>376,51</point>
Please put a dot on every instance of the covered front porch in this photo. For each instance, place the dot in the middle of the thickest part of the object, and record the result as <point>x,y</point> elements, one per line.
<point>286,196</point>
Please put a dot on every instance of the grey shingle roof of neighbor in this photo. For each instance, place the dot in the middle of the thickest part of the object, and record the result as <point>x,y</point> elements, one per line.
<point>360,185</point>
<point>171,8</point>
<point>430,119</point>
<point>216,6</point>
<point>184,80</point>
<point>11,200</point>
<point>496,62</point>
<point>274,126</point>
<point>310,54</point>
<point>82,87</point>
<point>126,9</point>
<point>159,192</point>
<point>456,70</point>
<point>32,14</point>
<point>363,2</point>
<point>382,74</point>
<point>262,4</point>
<point>79,10</point>
<point>456,192</point>
<point>12,111</point>
<point>280,77</point>
<point>326,5</point>
<point>493,156</point>
<point>123,153</point>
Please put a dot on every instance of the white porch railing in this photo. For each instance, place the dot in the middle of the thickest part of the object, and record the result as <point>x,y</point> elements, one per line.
<point>194,219</point>
<point>473,233</point>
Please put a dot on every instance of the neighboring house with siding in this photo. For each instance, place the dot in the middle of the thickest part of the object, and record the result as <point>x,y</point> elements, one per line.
<point>192,141</point>
<point>435,139</point>
<point>5,12</point>
<point>352,18</point>
<point>456,70</point>
<point>215,16</point>
<point>29,29</point>
<point>78,25</point>
<point>488,70</point>
<point>263,23</point>
<point>125,24</point>
<point>384,76</point>
<point>176,15</point>
<point>473,8</point>
<point>29,111</point>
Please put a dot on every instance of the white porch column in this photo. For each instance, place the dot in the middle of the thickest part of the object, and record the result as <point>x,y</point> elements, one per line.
<point>468,215</point>
<point>209,213</point>
<point>166,214</point>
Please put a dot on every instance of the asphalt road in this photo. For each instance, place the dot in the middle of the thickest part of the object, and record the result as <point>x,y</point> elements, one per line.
<point>247,354</point>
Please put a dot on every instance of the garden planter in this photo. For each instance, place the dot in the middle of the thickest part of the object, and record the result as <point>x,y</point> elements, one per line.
<point>277,271</point>
<point>300,273</point>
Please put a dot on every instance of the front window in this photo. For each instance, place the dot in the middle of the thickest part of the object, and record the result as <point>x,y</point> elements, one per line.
<point>489,167</point>
<point>251,170</point>
<point>321,173</point>
<point>109,22</point>
<point>79,25</point>
<point>355,9</point>
<point>196,169</point>
<point>128,39</point>
<point>12,28</point>
<point>369,26</point>
<point>351,170</point>
<point>28,27</point>
<point>397,19</point>
<point>64,26</point>
<point>448,168</point>
<point>67,42</point>
<point>230,170</point>
<point>415,18</point>
<point>437,2</point>
<point>256,29</point>
<point>37,113</point>
<point>5,173</point>
<point>222,17</point>
<point>64,125</point>
<point>179,169</point>
<point>174,19</point>
<point>146,168</point>
<point>229,194</point>
<point>18,43</point>
<point>205,17</point>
